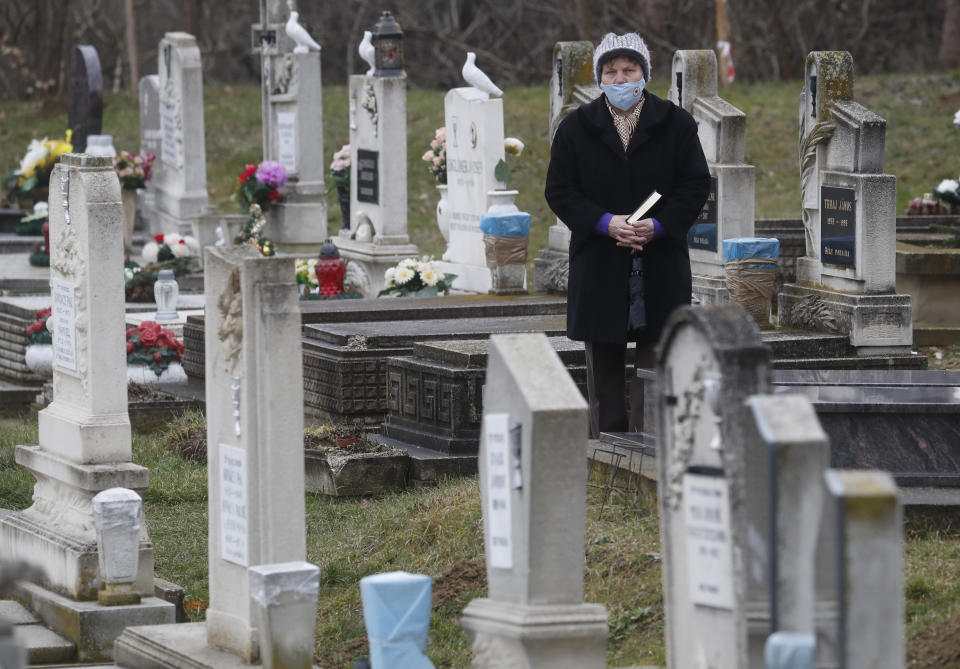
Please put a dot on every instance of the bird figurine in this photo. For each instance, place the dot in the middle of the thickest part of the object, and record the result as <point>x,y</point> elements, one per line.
<point>367,51</point>
<point>299,34</point>
<point>474,76</point>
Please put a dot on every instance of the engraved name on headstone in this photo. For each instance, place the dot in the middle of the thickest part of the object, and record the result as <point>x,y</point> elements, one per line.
<point>368,176</point>
<point>703,234</point>
<point>837,225</point>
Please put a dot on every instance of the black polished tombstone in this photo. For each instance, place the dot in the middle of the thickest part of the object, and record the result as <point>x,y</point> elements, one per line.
<point>85,117</point>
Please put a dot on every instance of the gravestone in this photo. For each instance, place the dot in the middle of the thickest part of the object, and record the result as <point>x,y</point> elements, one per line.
<point>860,572</point>
<point>846,280</point>
<point>572,83</point>
<point>710,360</point>
<point>474,123</point>
<point>84,434</point>
<point>532,483</point>
<point>728,212</point>
<point>180,174</point>
<point>378,174</point>
<point>292,108</point>
<point>254,406</point>
<point>150,142</point>
<point>85,115</point>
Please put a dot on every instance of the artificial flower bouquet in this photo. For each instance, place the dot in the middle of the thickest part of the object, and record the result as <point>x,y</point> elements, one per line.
<point>260,184</point>
<point>340,168</point>
<point>926,206</point>
<point>307,274</point>
<point>948,191</point>
<point>33,174</point>
<point>169,251</point>
<point>37,332</point>
<point>134,170</point>
<point>252,232</point>
<point>436,156</point>
<point>170,246</point>
<point>512,148</point>
<point>153,346</point>
<point>416,277</point>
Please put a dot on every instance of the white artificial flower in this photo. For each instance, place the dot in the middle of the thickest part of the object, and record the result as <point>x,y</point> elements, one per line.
<point>513,146</point>
<point>180,250</point>
<point>390,276</point>
<point>192,244</point>
<point>430,276</point>
<point>426,266</point>
<point>171,238</point>
<point>41,208</point>
<point>409,263</point>
<point>947,186</point>
<point>956,118</point>
<point>404,274</point>
<point>36,151</point>
<point>149,252</point>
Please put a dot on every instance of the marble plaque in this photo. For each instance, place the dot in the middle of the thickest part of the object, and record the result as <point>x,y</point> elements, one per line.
<point>368,176</point>
<point>287,140</point>
<point>706,509</point>
<point>233,504</point>
<point>64,324</point>
<point>703,234</point>
<point>496,434</point>
<point>838,208</point>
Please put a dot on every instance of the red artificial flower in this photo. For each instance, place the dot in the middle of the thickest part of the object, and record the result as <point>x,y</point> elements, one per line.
<point>158,238</point>
<point>248,172</point>
<point>44,313</point>
<point>157,357</point>
<point>273,195</point>
<point>130,347</point>
<point>148,338</point>
<point>131,331</point>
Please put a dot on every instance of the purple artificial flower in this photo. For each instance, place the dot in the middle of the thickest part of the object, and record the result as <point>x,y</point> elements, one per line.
<point>271,173</point>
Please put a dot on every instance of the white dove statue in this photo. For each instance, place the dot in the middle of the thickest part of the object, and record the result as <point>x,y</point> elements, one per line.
<point>298,34</point>
<point>474,76</point>
<point>367,51</point>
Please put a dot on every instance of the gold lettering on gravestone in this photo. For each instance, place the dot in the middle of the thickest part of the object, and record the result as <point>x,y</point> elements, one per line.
<point>838,226</point>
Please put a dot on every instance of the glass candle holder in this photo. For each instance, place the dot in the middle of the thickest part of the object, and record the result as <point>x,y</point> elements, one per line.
<point>166,290</point>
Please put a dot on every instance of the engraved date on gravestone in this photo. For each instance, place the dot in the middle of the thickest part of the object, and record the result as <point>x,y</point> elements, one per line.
<point>706,511</point>
<point>65,324</point>
<point>368,176</point>
<point>703,234</point>
<point>500,549</point>
<point>233,504</point>
<point>838,226</point>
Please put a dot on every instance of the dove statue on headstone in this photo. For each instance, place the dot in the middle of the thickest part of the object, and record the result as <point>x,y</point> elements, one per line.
<point>367,51</point>
<point>474,76</point>
<point>298,34</point>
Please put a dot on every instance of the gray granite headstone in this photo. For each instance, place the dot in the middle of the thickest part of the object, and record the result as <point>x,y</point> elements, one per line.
<point>85,116</point>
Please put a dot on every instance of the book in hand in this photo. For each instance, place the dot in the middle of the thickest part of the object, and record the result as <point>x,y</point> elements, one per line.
<point>647,205</point>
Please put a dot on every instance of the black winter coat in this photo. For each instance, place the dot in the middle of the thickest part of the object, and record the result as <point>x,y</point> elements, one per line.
<point>589,175</point>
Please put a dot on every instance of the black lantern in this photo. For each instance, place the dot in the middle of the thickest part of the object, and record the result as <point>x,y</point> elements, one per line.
<point>388,47</point>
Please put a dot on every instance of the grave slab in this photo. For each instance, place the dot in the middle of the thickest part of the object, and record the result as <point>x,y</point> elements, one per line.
<point>44,646</point>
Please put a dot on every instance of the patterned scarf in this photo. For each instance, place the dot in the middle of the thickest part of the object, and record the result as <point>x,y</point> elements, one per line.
<point>626,123</point>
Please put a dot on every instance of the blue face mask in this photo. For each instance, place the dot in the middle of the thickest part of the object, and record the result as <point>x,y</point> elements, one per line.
<point>624,96</point>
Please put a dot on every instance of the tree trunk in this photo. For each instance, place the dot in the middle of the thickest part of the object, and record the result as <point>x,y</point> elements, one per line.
<point>130,35</point>
<point>949,54</point>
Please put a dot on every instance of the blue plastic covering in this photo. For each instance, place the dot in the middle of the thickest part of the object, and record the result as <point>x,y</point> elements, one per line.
<point>790,650</point>
<point>506,224</point>
<point>396,610</point>
<point>751,247</point>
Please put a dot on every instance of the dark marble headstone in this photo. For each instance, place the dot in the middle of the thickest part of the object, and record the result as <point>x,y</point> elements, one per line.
<point>86,96</point>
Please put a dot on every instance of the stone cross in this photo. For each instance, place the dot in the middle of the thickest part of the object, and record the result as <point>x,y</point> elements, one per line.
<point>532,483</point>
<point>378,175</point>
<point>292,108</point>
<point>846,280</point>
<point>572,83</point>
<point>84,434</point>
<point>180,174</point>
<point>474,123</point>
<point>150,141</point>
<point>710,361</point>
<point>728,212</point>
<point>85,116</point>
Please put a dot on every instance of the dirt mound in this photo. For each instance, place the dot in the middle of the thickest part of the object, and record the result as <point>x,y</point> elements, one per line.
<point>937,647</point>
<point>466,575</point>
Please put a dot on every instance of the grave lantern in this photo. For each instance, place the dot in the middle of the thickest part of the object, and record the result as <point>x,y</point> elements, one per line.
<point>331,269</point>
<point>388,47</point>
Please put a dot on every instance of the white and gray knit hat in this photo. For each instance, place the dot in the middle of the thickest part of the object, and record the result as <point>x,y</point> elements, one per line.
<point>628,44</point>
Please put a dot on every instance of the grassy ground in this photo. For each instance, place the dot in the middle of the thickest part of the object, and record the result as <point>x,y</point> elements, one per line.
<point>439,532</point>
<point>921,144</point>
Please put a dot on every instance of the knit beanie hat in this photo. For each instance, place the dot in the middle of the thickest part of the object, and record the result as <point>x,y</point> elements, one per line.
<point>630,45</point>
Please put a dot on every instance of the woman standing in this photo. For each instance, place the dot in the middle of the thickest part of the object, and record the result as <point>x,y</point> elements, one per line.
<point>607,157</point>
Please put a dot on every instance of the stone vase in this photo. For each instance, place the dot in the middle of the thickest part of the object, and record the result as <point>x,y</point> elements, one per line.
<point>174,373</point>
<point>443,212</point>
<point>129,198</point>
<point>39,359</point>
<point>502,200</point>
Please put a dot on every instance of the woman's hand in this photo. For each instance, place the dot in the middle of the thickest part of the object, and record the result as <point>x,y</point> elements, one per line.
<point>631,235</point>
